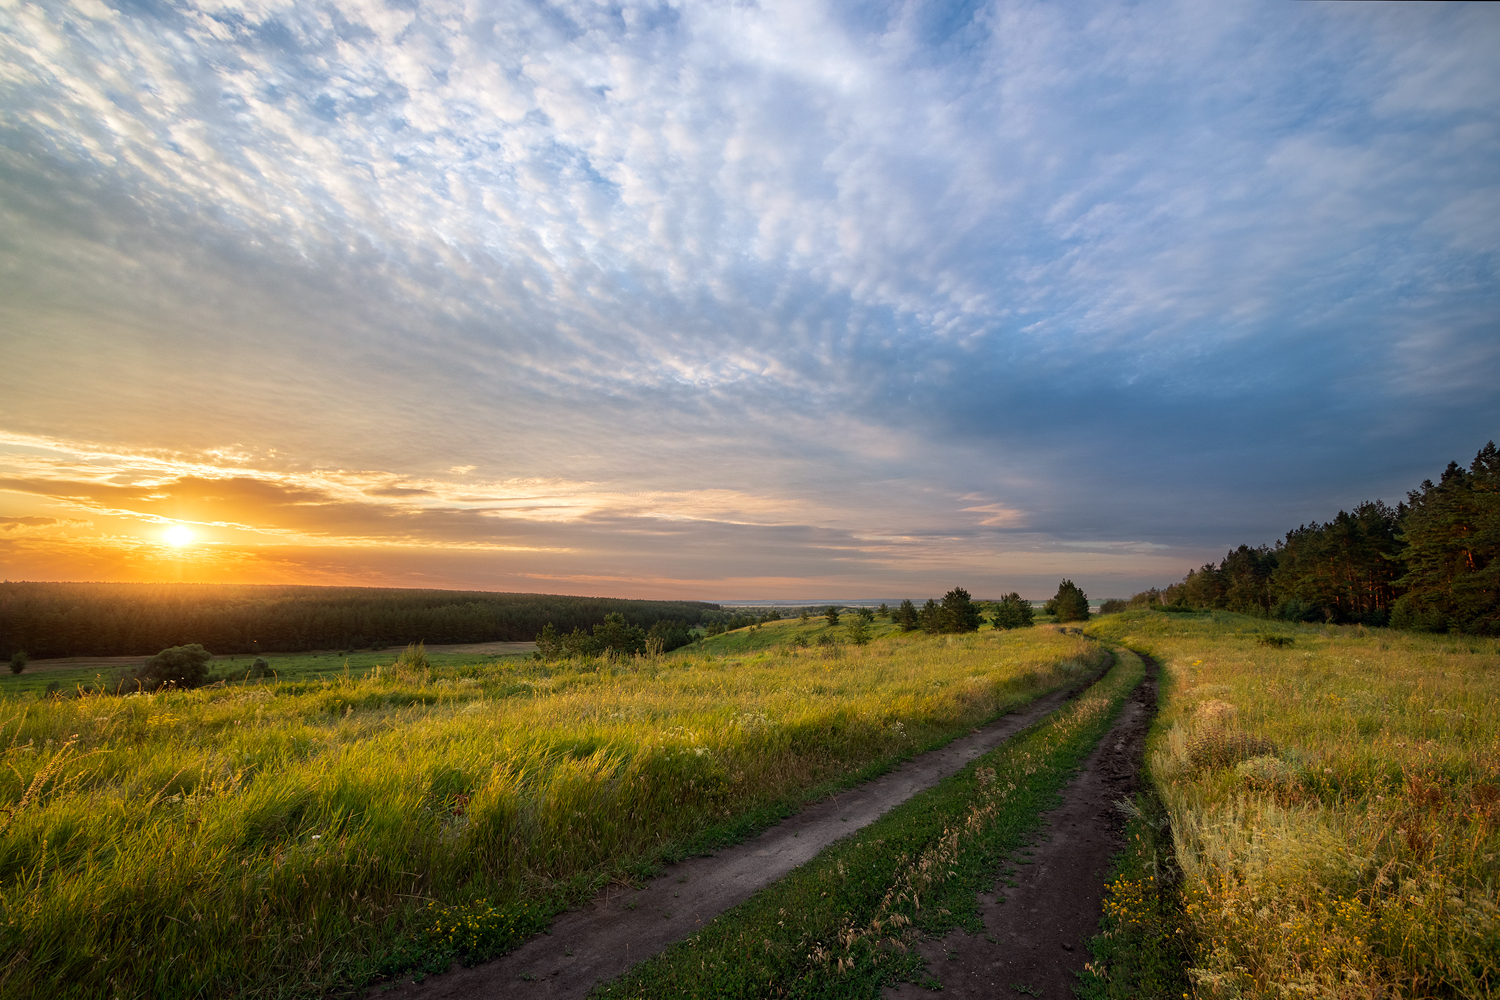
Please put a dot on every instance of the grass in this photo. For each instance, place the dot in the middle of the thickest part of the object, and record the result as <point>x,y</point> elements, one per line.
<point>291,838</point>
<point>1334,796</point>
<point>43,676</point>
<point>794,632</point>
<point>843,924</point>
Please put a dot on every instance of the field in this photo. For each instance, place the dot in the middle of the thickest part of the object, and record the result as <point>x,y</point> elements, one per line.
<point>111,673</point>
<point>285,838</point>
<point>1334,794</point>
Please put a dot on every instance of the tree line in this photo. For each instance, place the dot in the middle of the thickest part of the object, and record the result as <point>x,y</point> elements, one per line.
<point>121,619</point>
<point>1431,563</point>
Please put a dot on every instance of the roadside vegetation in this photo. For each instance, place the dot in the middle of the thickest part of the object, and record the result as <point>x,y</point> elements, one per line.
<point>844,924</point>
<point>1334,803</point>
<point>285,837</point>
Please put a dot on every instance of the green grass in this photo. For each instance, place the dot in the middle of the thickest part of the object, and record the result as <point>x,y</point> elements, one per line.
<point>39,677</point>
<point>288,838</point>
<point>843,924</point>
<point>792,631</point>
<point>1334,802</point>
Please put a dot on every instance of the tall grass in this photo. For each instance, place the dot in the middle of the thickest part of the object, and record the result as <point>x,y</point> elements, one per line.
<point>1335,801</point>
<point>280,839</point>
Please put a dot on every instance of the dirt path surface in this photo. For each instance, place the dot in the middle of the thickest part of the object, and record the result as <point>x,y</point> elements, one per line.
<point>606,937</point>
<point>1039,919</point>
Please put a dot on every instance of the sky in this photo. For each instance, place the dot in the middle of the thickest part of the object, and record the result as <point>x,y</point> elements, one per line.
<point>732,300</point>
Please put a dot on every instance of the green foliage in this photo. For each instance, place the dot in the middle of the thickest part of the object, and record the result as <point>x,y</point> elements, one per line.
<point>178,666</point>
<point>907,617</point>
<point>1113,606</point>
<point>612,637</point>
<point>18,661</point>
<point>1430,564</point>
<point>857,631</point>
<point>831,615</point>
<point>1452,537</point>
<point>958,612</point>
<point>1013,611</point>
<point>1070,604</point>
<point>883,611</point>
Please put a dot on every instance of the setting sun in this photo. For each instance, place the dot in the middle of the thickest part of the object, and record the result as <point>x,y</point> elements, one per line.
<point>179,535</point>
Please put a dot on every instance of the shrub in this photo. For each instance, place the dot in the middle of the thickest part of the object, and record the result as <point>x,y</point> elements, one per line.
<point>1113,606</point>
<point>1278,641</point>
<point>260,668</point>
<point>1013,612</point>
<point>180,666</point>
<point>18,661</point>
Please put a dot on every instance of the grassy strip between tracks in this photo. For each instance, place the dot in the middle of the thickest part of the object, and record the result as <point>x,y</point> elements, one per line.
<point>843,924</point>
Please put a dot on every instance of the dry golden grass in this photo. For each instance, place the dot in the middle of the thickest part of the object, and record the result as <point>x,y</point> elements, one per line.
<point>1335,804</point>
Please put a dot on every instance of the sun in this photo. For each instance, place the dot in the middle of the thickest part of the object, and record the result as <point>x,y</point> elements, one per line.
<point>179,535</point>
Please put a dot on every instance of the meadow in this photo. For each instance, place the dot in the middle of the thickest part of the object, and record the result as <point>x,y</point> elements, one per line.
<point>296,836</point>
<point>112,674</point>
<point>1334,798</point>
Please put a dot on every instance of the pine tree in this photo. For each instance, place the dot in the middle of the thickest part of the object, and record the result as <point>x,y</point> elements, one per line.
<point>1013,612</point>
<point>906,616</point>
<point>959,613</point>
<point>1070,604</point>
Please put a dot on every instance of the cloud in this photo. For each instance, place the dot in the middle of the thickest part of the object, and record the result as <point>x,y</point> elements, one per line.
<point>1156,275</point>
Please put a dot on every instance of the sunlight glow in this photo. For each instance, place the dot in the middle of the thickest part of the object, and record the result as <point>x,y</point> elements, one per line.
<point>179,535</point>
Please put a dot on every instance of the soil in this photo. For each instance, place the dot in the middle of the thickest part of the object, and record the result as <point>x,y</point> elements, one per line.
<point>1046,904</point>
<point>626,925</point>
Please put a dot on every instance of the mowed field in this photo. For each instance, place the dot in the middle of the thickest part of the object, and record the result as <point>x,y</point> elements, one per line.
<point>1334,794</point>
<point>294,836</point>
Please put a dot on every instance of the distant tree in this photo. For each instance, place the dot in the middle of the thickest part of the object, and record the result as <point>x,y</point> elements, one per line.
<point>618,636</point>
<point>260,668</point>
<point>772,616</point>
<point>907,617</point>
<point>959,614</point>
<point>857,631</point>
<point>931,617</point>
<point>18,661</point>
<point>1070,603</point>
<point>1013,611</point>
<point>883,611</point>
<point>180,666</point>
<point>866,615</point>
<point>832,614</point>
<point>802,615</point>
<point>1113,606</point>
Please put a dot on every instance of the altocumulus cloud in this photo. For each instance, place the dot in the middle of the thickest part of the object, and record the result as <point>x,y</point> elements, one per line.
<point>867,296</point>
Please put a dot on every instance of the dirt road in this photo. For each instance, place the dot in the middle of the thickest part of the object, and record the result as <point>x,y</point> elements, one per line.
<point>603,939</point>
<point>1038,928</point>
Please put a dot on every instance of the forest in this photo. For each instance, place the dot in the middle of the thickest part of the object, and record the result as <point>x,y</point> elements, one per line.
<point>125,619</point>
<point>1431,563</point>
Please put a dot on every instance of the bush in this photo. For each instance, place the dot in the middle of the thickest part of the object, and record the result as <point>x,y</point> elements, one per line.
<point>18,661</point>
<point>1113,606</point>
<point>1013,611</point>
<point>179,666</point>
<point>260,668</point>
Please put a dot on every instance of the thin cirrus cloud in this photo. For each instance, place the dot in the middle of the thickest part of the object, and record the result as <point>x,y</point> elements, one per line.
<point>706,298</point>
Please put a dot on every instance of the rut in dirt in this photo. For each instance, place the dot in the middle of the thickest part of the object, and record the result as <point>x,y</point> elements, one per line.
<point>1046,903</point>
<point>624,926</point>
